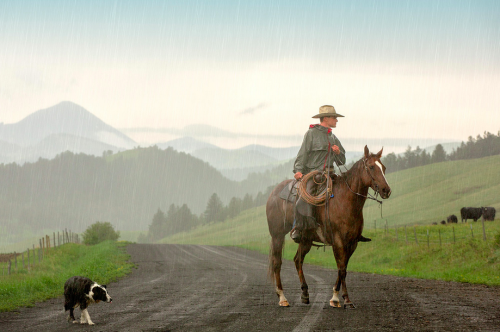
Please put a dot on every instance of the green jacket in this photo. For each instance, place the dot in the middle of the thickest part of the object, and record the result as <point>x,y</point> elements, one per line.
<point>314,150</point>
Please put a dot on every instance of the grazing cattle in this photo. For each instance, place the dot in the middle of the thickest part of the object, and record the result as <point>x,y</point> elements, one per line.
<point>471,213</point>
<point>443,222</point>
<point>452,219</point>
<point>489,213</point>
<point>435,223</point>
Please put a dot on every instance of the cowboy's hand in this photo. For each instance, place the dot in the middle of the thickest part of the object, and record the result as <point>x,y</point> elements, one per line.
<point>298,176</point>
<point>336,149</point>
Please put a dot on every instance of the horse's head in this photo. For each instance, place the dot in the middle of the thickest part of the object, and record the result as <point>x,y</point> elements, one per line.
<point>374,175</point>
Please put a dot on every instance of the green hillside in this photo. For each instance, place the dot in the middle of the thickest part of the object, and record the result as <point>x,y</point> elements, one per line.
<point>420,196</point>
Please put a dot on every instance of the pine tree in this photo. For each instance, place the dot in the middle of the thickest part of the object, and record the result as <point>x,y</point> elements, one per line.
<point>214,210</point>
<point>439,154</point>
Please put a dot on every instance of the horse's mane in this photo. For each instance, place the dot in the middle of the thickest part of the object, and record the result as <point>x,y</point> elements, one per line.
<point>349,175</point>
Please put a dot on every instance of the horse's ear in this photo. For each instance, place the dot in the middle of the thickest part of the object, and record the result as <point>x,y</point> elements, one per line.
<point>379,154</point>
<point>367,152</point>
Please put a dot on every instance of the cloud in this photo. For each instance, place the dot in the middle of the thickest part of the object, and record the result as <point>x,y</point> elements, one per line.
<point>252,110</point>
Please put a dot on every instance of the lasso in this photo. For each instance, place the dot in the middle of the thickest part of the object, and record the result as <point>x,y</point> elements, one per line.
<point>320,199</point>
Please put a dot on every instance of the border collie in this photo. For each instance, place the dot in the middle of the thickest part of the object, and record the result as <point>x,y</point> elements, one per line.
<point>81,292</point>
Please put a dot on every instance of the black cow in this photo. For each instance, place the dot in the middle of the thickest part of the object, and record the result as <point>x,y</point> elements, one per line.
<point>489,213</point>
<point>471,213</point>
<point>452,219</point>
<point>443,222</point>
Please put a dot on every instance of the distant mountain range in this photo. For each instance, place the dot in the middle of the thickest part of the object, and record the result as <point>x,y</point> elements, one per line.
<point>237,164</point>
<point>65,126</point>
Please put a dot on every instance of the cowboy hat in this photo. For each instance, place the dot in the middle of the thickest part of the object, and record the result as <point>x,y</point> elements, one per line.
<point>327,110</point>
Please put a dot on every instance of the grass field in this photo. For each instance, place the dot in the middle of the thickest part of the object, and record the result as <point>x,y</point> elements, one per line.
<point>420,196</point>
<point>102,263</point>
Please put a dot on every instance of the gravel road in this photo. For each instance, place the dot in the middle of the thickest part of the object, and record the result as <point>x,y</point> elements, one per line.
<point>207,288</point>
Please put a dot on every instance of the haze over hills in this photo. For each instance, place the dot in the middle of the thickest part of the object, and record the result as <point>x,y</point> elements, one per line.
<point>62,127</point>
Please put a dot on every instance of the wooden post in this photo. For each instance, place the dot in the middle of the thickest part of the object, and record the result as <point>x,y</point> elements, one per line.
<point>427,238</point>
<point>8,267</point>
<point>22,255</point>
<point>396,227</point>
<point>415,233</point>
<point>406,235</point>
<point>439,231</point>
<point>39,252</point>
<point>471,231</point>
<point>58,239</point>
<point>375,223</point>
<point>484,231</point>
<point>453,234</point>
<point>54,237</point>
<point>15,260</point>
<point>28,259</point>
<point>43,245</point>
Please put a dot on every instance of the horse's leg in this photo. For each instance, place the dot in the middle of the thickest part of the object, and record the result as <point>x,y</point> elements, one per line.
<point>342,274</point>
<point>342,258</point>
<point>334,301</point>
<point>275,267</point>
<point>299,262</point>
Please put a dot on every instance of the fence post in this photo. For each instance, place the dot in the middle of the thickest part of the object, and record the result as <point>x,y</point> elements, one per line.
<point>439,231</point>
<point>386,228</point>
<point>375,223</point>
<point>427,238</point>
<point>54,237</point>
<point>453,234</point>
<point>396,227</point>
<point>415,233</point>
<point>8,268</point>
<point>40,251</point>
<point>22,256</point>
<point>406,235</point>
<point>484,232</point>
<point>15,259</point>
<point>471,231</point>
<point>28,259</point>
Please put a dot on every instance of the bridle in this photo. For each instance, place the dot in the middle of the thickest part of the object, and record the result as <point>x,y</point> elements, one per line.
<point>369,196</point>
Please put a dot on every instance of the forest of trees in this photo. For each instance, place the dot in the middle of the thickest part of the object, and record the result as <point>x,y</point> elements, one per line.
<point>481,146</point>
<point>179,219</point>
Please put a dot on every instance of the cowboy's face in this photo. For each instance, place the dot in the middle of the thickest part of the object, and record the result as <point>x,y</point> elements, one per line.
<point>330,121</point>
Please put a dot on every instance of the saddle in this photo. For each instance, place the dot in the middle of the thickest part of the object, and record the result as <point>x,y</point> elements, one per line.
<point>289,192</point>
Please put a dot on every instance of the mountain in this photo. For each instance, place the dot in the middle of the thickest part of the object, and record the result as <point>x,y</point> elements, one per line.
<point>63,127</point>
<point>186,144</point>
<point>127,188</point>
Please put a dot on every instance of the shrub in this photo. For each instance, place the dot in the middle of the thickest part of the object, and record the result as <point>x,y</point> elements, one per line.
<point>99,232</point>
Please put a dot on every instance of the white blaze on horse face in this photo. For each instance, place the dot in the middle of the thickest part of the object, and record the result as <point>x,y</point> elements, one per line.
<point>382,171</point>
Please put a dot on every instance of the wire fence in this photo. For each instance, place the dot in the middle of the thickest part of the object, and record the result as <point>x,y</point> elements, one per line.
<point>419,234</point>
<point>26,261</point>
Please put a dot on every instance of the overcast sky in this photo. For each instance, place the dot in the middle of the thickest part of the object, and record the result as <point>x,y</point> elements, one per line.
<point>427,69</point>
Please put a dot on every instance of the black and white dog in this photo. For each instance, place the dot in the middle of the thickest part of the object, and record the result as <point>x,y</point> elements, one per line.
<point>81,292</point>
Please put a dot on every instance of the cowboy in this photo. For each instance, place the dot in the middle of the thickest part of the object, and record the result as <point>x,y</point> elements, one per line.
<point>313,155</point>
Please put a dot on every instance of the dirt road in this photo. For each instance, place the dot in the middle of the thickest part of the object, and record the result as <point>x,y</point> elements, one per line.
<point>204,288</point>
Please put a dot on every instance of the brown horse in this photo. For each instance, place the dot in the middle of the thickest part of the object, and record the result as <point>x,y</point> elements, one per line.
<point>342,229</point>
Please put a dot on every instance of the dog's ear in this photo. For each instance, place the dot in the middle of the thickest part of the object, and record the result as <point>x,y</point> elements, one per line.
<point>104,286</point>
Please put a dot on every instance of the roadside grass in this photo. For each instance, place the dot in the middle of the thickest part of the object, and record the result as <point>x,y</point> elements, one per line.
<point>102,263</point>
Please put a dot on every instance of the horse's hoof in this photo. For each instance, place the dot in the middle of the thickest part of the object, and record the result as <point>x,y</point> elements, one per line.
<point>349,305</point>
<point>284,303</point>
<point>335,304</point>
<point>305,300</point>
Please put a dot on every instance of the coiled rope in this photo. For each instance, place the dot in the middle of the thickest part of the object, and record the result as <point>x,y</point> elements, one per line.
<point>319,199</point>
